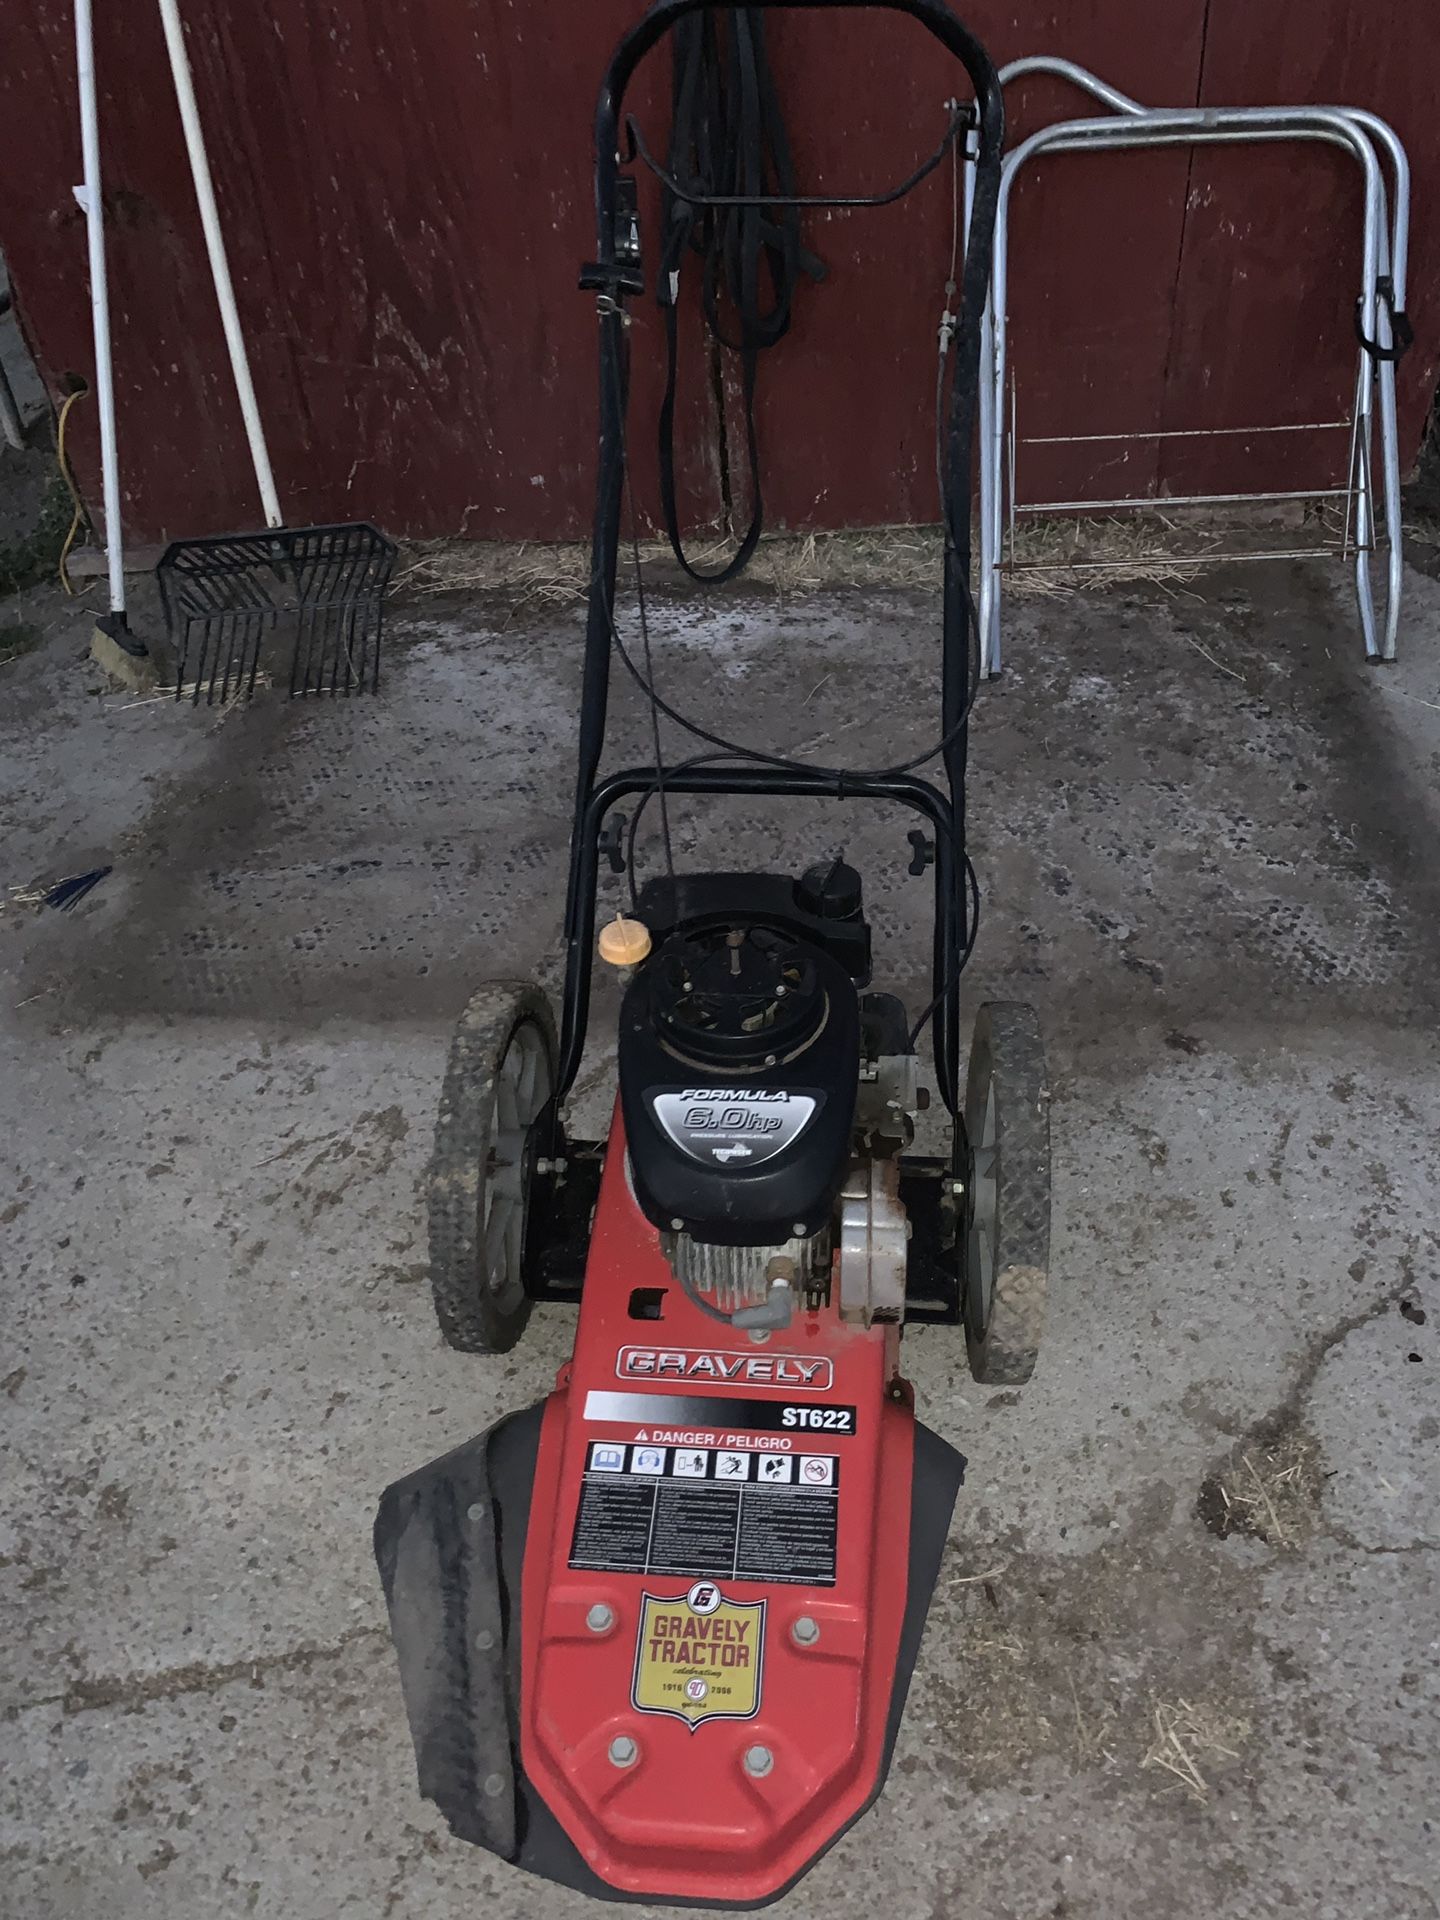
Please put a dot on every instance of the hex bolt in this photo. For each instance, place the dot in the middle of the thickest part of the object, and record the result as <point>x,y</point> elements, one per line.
<point>600,1618</point>
<point>476,1510</point>
<point>805,1632</point>
<point>494,1785</point>
<point>623,1751</point>
<point>799,1230</point>
<point>677,1225</point>
<point>758,1761</point>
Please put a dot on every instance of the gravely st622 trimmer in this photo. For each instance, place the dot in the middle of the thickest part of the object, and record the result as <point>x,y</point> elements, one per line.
<point>655,1635</point>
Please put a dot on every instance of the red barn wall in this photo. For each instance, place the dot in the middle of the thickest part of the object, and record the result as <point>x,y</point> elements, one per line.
<point>407,198</point>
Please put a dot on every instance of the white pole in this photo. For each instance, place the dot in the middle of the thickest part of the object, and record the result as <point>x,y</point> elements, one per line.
<point>90,201</point>
<point>219,264</point>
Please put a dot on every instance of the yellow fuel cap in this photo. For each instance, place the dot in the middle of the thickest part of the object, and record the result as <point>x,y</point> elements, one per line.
<point>624,943</point>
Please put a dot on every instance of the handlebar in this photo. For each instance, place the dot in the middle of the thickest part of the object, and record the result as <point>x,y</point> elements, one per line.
<point>934,15</point>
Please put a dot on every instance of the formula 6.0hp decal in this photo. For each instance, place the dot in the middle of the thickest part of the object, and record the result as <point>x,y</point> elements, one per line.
<point>715,1367</point>
<point>699,1656</point>
<point>734,1127</point>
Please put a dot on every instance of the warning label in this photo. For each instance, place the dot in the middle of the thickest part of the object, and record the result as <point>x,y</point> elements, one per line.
<point>708,1511</point>
<point>699,1656</point>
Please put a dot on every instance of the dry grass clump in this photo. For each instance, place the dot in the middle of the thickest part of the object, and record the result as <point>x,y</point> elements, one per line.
<point>1051,557</point>
<point>1185,1735</point>
<point>1267,1489</point>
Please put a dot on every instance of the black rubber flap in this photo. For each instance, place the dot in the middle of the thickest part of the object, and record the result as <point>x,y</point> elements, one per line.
<point>437,1545</point>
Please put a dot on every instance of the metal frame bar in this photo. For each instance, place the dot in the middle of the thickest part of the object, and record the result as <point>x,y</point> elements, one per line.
<point>1272,495</point>
<point>1187,433</point>
<point>1384,251</point>
<point>1337,550</point>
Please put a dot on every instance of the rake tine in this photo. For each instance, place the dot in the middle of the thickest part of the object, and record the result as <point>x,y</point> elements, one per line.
<point>302,632</point>
<point>229,623</point>
<point>255,654</point>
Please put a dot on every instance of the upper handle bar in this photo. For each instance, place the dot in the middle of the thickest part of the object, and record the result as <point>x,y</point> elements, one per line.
<point>934,15</point>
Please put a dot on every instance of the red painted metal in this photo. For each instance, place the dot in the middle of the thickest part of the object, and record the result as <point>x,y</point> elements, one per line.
<point>1265,297</point>
<point>848,400</point>
<point>406,214</point>
<point>686,1819</point>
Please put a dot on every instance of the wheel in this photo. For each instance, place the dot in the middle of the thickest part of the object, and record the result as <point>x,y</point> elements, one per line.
<point>498,1082</point>
<point>1007,1249</point>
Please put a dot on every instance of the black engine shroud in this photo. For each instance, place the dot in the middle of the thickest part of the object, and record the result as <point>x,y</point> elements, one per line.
<point>739,1058</point>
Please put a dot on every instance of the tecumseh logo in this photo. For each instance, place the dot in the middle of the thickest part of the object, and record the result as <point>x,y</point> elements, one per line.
<point>791,1370</point>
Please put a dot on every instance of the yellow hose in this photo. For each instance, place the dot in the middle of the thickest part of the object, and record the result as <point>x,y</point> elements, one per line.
<point>77,518</point>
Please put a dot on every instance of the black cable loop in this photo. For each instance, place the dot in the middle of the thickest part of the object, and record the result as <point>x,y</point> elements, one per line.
<point>727,131</point>
<point>1402,334</point>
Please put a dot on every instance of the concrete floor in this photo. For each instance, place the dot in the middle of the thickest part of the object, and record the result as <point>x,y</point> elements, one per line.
<point>1205,836</point>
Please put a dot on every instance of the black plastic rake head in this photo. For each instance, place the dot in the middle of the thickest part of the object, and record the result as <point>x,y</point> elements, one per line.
<point>233,601</point>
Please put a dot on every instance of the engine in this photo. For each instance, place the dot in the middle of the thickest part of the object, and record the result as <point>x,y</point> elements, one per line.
<point>739,1060</point>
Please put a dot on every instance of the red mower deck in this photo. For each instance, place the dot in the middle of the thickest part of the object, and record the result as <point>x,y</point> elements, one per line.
<point>711,1597</point>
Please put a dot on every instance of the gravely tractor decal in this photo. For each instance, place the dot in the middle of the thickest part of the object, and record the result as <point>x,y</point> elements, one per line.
<point>793,1371</point>
<point>699,1656</point>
